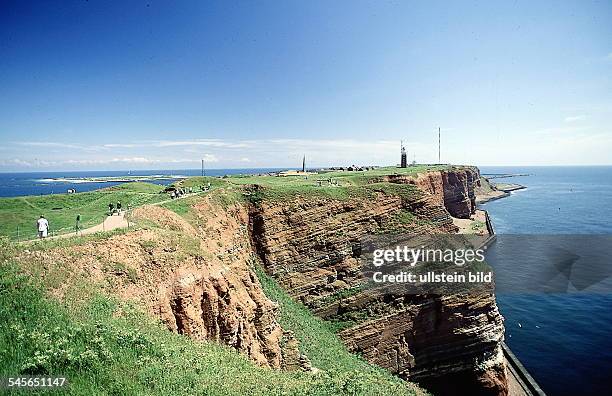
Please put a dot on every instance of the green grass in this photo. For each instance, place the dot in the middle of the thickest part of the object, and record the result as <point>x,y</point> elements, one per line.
<point>61,210</point>
<point>320,343</point>
<point>18,215</point>
<point>478,226</point>
<point>344,185</point>
<point>198,181</point>
<point>181,206</point>
<point>344,178</point>
<point>108,347</point>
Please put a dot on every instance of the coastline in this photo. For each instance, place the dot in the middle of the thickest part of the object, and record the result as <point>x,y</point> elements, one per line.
<point>489,191</point>
<point>520,382</point>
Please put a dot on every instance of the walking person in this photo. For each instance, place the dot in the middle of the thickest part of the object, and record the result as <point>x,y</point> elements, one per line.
<point>119,207</point>
<point>43,227</point>
<point>111,209</point>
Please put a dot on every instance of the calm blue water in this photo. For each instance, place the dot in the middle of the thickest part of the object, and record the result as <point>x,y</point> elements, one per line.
<point>32,183</point>
<point>566,339</point>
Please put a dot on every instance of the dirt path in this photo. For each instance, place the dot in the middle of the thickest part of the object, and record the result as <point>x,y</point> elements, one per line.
<point>179,198</point>
<point>117,221</point>
<point>109,224</point>
<point>114,222</point>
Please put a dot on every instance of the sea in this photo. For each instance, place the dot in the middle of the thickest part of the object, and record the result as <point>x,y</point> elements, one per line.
<point>43,183</point>
<point>564,339</point>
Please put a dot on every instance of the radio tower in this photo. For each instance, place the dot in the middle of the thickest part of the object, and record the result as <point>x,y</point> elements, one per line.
<point>439,160</point>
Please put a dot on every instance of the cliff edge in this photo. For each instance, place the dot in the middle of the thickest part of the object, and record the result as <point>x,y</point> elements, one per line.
<point>198,265</point>
<point>311,246</point>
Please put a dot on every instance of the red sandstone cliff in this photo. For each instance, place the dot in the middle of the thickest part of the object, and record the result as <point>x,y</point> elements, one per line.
<point>454,189</point>
<point>311,246</point>
<point>195,278</point>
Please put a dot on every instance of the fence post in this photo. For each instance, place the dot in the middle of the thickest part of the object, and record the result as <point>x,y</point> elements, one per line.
<point>18,233</point>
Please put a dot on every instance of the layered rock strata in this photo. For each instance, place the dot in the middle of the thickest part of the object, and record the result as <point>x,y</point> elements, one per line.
<point>195,277</point>
<point>454,189</point>
<point>312,247</point>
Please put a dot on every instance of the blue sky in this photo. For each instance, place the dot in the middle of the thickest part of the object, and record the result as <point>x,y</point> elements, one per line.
<point>158,85</point>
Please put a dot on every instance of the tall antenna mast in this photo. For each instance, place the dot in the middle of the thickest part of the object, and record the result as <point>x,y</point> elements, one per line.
<point>439,160</point>
<point>203,171</point>
<point>304,163</point>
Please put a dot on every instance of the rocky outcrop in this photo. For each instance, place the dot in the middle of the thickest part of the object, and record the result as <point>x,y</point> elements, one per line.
<point>228,307</point>
<point>314,243</point>
<point>459,195</point>
<point>218,296</point>
<point>194,276</point>
<point>454,189</point>
<point>312,247</point>
<point>445,343</point>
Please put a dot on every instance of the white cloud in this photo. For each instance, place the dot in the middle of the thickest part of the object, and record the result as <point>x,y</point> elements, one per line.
<point>225,152</point>
<point>562,130</point>
<point>575,118</point>
<point>265,153</point>
<point>119,145</point>
<point>209,158</point>
<point>60,145</point>
<point>198,142</point>
<point>139,160</point>
<point>49,144</point>
<point>16,162</point>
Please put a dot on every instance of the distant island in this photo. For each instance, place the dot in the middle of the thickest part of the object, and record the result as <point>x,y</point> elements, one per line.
<point>112,179</point>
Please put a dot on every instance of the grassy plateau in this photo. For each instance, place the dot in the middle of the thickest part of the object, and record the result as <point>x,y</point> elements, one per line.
<point>18,215</point>
<point>108,346</point>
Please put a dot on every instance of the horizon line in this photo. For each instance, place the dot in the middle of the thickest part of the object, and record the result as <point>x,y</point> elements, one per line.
<point>284,167</point>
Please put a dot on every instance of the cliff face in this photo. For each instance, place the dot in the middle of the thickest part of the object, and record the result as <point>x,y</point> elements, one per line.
<point>195,278</point>
<point>453,189</point>
<point>218,297</point>
<point>312,248</point>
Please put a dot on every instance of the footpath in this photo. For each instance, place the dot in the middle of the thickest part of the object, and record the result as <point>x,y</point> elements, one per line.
<point>112,222</point>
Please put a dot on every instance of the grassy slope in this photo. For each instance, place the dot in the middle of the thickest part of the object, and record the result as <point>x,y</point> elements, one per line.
<point>61,209</point>
<point>109,347</point>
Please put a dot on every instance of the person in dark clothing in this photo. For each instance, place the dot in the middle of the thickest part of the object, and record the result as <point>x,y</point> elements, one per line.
<point>118,206</point>
<point>111,208</point>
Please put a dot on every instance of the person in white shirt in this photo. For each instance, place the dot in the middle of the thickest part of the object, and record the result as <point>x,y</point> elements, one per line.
<point>43,227</point>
